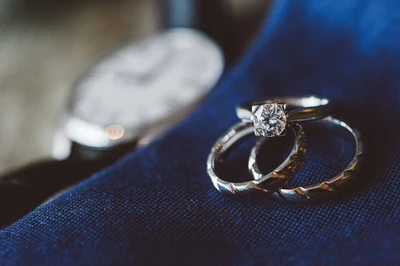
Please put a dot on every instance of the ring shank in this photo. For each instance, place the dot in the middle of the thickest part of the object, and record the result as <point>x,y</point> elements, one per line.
<point>263,187</point>
<point>326,188</point>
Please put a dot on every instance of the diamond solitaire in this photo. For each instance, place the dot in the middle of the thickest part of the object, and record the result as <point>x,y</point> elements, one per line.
<point>269,119</point>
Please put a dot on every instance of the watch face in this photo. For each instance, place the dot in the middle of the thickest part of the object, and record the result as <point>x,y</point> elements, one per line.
<point>141,85</point>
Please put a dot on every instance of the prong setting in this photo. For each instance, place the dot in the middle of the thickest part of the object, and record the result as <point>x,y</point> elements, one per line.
<point>269,119</point>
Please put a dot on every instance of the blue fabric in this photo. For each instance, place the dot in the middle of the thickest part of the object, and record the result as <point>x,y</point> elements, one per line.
<point>158,205</point>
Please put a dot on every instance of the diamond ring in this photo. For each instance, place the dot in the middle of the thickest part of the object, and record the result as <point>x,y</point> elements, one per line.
<point>263,187</point>
<point>321,190</point>
<point>271,117</point>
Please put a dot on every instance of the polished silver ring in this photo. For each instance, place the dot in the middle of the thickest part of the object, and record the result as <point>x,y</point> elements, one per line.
<point>261,188</point>
<point>270,117</point>
<point>321,190</point>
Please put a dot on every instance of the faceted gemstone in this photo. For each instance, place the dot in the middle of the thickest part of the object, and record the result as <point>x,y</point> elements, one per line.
<point>269,119</point>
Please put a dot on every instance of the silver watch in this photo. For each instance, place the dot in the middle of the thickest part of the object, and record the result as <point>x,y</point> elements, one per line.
<point>139,90</point>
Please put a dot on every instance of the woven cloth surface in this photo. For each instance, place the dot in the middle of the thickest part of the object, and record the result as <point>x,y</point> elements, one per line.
<point>158,205</point>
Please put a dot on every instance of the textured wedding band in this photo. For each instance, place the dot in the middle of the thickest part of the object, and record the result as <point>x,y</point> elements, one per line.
<point>270,117</point>
<point>321,190</point>
<point>262,188</point>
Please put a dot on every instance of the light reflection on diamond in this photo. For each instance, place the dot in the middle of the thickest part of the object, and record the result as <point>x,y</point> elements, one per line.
<point>269,120</point>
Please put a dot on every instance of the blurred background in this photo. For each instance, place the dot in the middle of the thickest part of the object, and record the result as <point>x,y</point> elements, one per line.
<point>46,45</point>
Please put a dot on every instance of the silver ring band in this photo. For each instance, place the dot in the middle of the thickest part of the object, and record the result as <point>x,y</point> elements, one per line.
<point>300,109</point>
<point>321,190</point>
<point>261,188</point>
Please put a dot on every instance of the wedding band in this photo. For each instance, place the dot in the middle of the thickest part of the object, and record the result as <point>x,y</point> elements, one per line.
<point>261,188</point>
<point>270,117</point>
<point>321,190</point>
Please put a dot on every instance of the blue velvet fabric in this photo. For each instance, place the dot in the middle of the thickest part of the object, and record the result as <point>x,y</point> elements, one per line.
<point>158,205</point>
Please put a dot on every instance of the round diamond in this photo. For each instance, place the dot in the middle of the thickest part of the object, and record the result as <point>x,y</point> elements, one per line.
<point>269,119</point>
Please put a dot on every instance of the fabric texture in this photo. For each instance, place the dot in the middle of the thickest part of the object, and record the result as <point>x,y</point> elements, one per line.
<point>158,205</point>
